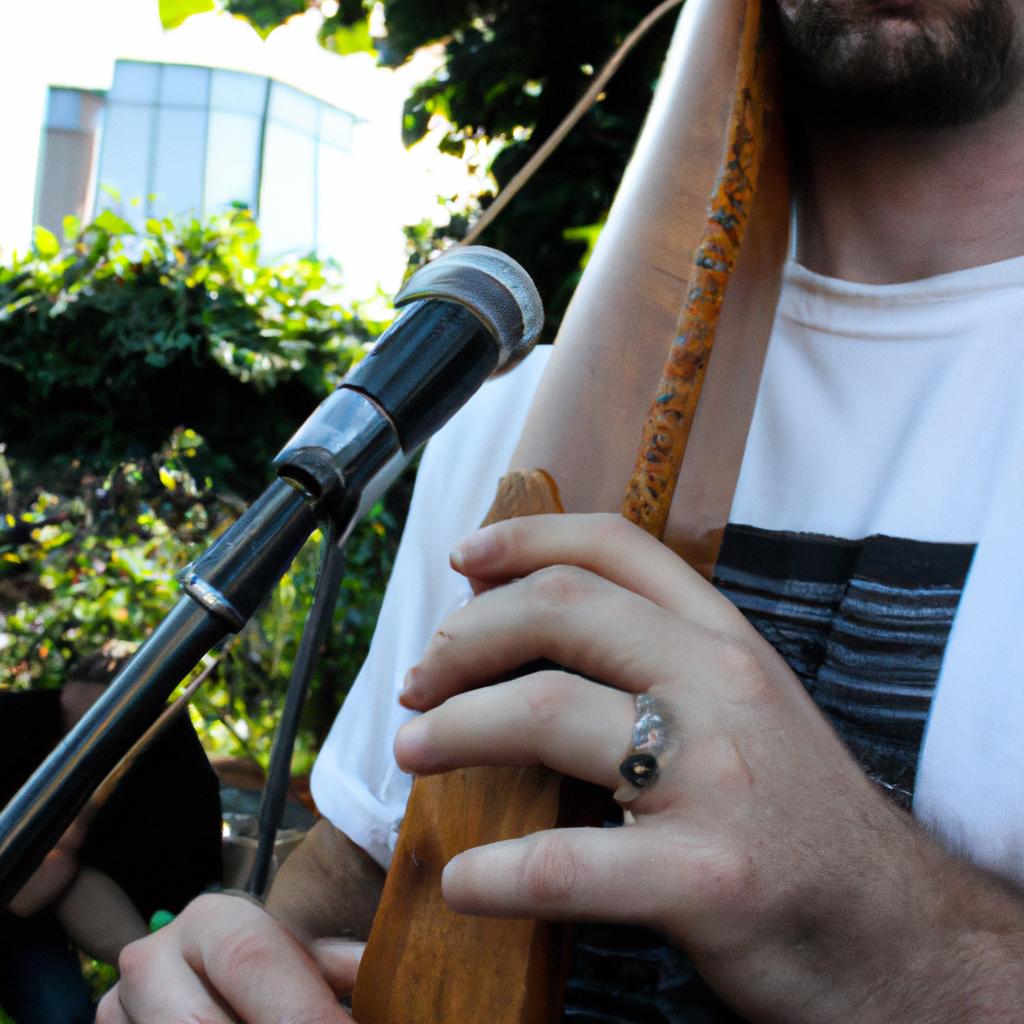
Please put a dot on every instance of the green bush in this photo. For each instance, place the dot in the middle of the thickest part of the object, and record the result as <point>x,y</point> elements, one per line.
<point>111,342</point>
<point>81,569</point>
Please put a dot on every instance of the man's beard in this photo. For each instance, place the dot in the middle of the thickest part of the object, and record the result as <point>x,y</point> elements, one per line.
<point>849,66</point>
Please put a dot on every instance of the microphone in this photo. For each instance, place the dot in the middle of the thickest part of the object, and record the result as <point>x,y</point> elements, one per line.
<point>468,314</point>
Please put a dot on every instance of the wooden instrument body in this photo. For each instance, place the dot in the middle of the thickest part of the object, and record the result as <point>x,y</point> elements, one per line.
<point>424,964</point>
<point>413,927</point>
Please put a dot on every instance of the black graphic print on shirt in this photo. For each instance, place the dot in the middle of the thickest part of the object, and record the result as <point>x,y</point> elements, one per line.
<point>864,624</point>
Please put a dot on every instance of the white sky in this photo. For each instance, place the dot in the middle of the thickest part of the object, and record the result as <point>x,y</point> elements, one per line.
<point>75,43</point>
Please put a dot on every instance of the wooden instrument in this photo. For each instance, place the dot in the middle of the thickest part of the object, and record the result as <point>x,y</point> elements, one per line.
<point>714,130</point>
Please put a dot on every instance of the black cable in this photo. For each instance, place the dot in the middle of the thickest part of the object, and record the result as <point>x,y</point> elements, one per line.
<point>314,634</point>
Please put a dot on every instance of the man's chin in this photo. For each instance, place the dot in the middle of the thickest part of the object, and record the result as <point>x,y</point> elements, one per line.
<point>891,65</point>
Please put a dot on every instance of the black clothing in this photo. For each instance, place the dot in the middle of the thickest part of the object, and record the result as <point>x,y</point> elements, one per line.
<point>158,837</point>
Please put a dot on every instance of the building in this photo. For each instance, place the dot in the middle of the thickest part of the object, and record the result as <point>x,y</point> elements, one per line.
<point>98,94</point>
<point>184,140</point>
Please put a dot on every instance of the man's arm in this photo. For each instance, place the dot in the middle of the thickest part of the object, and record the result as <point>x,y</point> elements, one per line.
<point>98,915</point>
<point>265,965</point>
<point>327,887</point>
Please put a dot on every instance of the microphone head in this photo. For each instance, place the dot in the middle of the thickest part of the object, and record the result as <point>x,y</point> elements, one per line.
<point>490,285</point>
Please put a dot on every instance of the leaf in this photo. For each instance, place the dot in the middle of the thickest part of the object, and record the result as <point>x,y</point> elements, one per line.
<point>45,242</point>
<point>588,234</point>
<point>174,12</point>
<point>452,145</point>
<point>72,227</point>
<point>167,480</point>
<point>113,224</point>
<point>265,15</point>
<point>345,39</point>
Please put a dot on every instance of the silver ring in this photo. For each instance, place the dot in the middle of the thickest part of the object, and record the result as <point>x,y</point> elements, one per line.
<point>649,741</point>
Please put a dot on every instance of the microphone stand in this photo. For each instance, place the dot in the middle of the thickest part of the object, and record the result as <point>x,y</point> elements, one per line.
<point>314,634</point>
<point>246,564</point>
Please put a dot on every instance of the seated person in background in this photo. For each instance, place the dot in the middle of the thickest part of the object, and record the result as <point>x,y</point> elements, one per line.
<point>154,845</point>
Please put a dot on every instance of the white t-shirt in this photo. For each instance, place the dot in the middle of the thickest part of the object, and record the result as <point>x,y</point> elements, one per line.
<point>886,421</point>
<point>882,407</point>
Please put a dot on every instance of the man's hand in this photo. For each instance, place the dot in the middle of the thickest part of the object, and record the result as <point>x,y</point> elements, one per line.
<point>801,892</point>
<point>225,959</point>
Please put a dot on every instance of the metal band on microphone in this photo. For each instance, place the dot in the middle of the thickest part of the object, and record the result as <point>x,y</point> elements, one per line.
<point>490,285</point>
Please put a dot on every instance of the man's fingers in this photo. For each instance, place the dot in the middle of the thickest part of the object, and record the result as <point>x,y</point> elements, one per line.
<point>550,718</point>
<point>338,960</point>
<point>222,960</point>
<point>571,617</point>
<point>603,543</point>
<point>110,1010</point>
<point>263,974</point>
<point>579,874</point>
<point>157,985</point>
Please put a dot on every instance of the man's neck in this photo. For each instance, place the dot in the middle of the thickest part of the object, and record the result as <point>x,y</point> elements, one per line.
<point>882,206</point>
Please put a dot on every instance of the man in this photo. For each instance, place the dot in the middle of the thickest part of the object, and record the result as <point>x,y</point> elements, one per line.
<point>883,463</point>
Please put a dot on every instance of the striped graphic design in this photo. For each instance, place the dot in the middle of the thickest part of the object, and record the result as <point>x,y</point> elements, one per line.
<point>864,624</point>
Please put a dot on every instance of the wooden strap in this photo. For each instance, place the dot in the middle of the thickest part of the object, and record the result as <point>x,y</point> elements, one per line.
<point>669,422</point>
<point>707,481</point>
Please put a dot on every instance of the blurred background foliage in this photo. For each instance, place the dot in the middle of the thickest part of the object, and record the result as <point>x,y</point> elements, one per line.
<point>147,382</point>
<point>112,339</point>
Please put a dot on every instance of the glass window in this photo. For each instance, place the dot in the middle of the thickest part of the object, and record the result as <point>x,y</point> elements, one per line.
<point>336,127</point>
<point>193,138</point>
<point>293,107</point>
<point>135,82</point>
<point>92,111</point>
<point>232,160</point>
<point>179,162</point>
<point>234,90</point>
<point>182,86</point>
<point>286,198</point>
<point>65,110</point>
<point>124,161</point>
